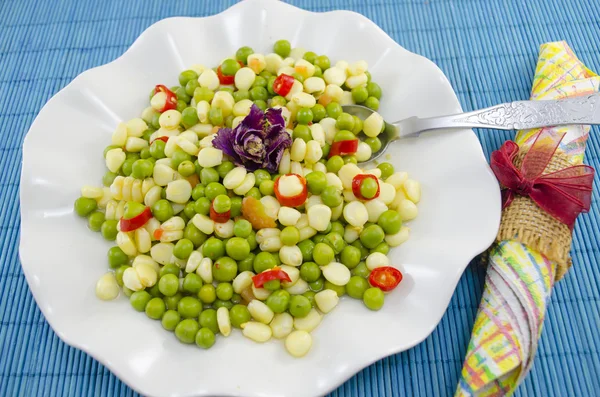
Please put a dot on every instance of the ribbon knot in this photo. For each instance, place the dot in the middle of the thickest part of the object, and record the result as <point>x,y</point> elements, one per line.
<point>563,194</point>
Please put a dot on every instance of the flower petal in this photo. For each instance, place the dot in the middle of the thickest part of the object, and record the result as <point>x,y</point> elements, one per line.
<point>224,142</point>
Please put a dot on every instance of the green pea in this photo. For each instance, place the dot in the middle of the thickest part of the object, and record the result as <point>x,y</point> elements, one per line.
<point>252,241</point>
<point>155,308</point>
<point>386,170</point>
<point>224,269</point>
<point>178,157</point>
<point>186,168</point>
<point>277,259</point>
<point>208,319</point>
<point>298,77</point>
<point>192,283</point>
<point>317,285</point>
<point>186,330</point>
<point>279,300</point>
<point>319,112</point>
<point>356,287</point>
<point>310,56</point>
<point>190,87</point>
<point>325,150</point>
<point>259,93</point>
<point>306,247</point>
<point>186,76</point>
<point>145,153</point>
<point>237,248</point>
<point>266,74</point>
<point>343,135</point>
<point>319,238</point>
<point>155,121</point>
<point>374,143</point>
<point>254,192</point>
<point>168,284</point>
<point>189,117</point>
<point>372,236</point>
<point>350,256</point>
<point>369,187</point>
<point>277,100</point>
<point>318,72</point>
<point>236,206</point>
<point>337,227</point>
<point>334,164</point>
<point>282,48</point>
<point>215,189</point>
<point>272,285</point>
<point>299,306</point>
<point>84,206</point>
<point>242,228</point>
<point>170,320</point>
<point>221,203</point>
<point>360,94</point>
<point>208,176</point>
<point>303,132</point>
<point>260,81</point>
<point>327,229</point>
<point>189,211</point>
<point>247,263</point>
<point>198,191</point>
<point>384,248</point>
<point>310,271</point>
<point>316,181</point>
<point>229,67</point>
<point>358,125</point>
<point>323,62</point>
<point>182,98</point>
<point>203,94</point>
<point>374,90</point>
<point>162,210</point>
<point>290,236</point>
<point>189,307</point>
<point>132,156</point>
<point>267,187</point>
<point>263,261</point>
<point>350,159</point>
<point>116,257</point>
<point>119,274</point>
<point>170,268</point>
<point>224,168</point>
<point>335,241</point>
<point>236,299</point>
<point>323,254</point>
<point>334,110</point>
<point>261,175</point>
<point>183,249</point>
<point>133,209</point>
<point>215,116</point>
<point>344,121</point>
<point>331,196</point>
<point>109,229</point>
<point>154,291</point>
<point>270,82</point>
<point>205,338</point>
<point>373,298</point>
<point>224,291</point>
<point>226,88</point>
<point>390,221</point>
<point>207,294</point>
<point>339,290</point>
<point>213,248</point>
<point>157,149</point>
<point>372,103</point>
<point>139,300</point>
<point>242,54</point>
<point>239,315</point>
<point>95,221</point>
<point>108,178</point>
<point>202,206</point>
<point>240,95</point>
<point>361,270</point>
<point>127,292</point>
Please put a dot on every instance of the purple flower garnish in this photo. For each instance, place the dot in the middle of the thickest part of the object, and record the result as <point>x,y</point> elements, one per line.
<point>257,142</point>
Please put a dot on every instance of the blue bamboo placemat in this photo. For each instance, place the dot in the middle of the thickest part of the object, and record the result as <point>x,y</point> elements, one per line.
<point>487,48</point>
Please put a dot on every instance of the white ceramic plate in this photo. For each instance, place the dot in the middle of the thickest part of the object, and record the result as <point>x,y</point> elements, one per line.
<point>62,259</point>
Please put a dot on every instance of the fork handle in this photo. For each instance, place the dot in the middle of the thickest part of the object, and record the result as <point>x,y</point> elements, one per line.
<point>521,115</point>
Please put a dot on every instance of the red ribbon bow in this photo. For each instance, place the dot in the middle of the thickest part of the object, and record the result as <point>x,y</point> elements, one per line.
<point>563,194</point>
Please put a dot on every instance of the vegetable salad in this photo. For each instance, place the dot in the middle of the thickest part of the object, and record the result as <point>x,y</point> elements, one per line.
<point>236,201</point>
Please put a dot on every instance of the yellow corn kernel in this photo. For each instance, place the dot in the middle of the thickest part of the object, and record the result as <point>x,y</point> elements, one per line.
<point>244,78</point>
<point>146,260</point>
<point>175,223</point>
<point>286,69</point>
<point>373,125</point>
<point>107,288</point>
<point>348,195</point>
<point>169,236</point>
<point>134,144</point>
<point>179,191</point>
<point>119,136</point>
<point>326,300</point>
<point>355,213</point>
<point>120,210</point>
<point>298,343</point>
<point>351,233</point>
<point>148,114</point>
<point>334,180</point>
<point>296,168</point>
<point>290,185</point>
<point>185,145</point>
<point>318,134</point>
<point>304,100</point>
<point>282,325</point>
<point>358,67</point>
<point>111,208</point>
<point>147,184</point>
<point>293,273</point>
<point>329,129</point>
<point>297,88</point>
<point>397,179</point>
<point>136,191</point>
<point>208,79</point>
<point>336,273</point>
<point>336,212</point>
<point>234,178</point>
<point>347,174</point>
<point>377,259</point>
<point>106,197</point>
<point>136,127</point>
<point>198,68</point>
<point>193,262</point>
<point>256,331</point>
<point>310,322</point>
<point>260,293</point>
<point>313,152</point>
<point>115,159</point>
<point>271,244</point>
<point>257,62</point>
<point>92,192</point>
<point>206,142</point>
<point>126,243</point>
<point>320,167</point>
<point>151,227</point>
<point>285,164</point>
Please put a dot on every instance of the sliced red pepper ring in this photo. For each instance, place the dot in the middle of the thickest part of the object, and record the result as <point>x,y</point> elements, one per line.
<point>224,79</point>
<point>219,217</point>
<point>274,274</point>
<point>283,84</point>
<point>357,182</point>
<point>343,148</point>
<point>128,225</point>
<point>293,201</point>
<point>386,278</point>
<point>160,138</point>
<point>171,102</point>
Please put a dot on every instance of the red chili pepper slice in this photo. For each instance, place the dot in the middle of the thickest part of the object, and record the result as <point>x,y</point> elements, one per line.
<point>223,79</point>
<point>343,148</point>
<point>294,201</point>
<point>158,233</point>
<point>357,182</point>
<point>283,84</point>
<point>219,217</point>
<point>270,275</point>
<point>386,278</point>
<point>171,102</point>
<point>127,225</point>
<point>160,138</point>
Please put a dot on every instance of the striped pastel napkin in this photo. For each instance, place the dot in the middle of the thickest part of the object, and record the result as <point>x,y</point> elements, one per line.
<point>520,279</point>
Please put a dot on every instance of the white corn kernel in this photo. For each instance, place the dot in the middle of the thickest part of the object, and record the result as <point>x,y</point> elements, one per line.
<point>310,322</point>
<point>286,69</point>
<point>126,189</point>
<point>343,65</point>
<point>134,144</point>
<point>373,125</point>
<point>198,68</point>
<point>223,321</point>
<point>236,121</point>
<point>210,157</point>
<point>349,195</point>
<point>290,61</point>
<point>260,293</point>
<point>326,300</point>
<point>174,223</point>
<point>225,229</point>
<point>284,165</point>
<point>335,76</point>
<point>208,79</point>
<point>266,233</point>
<point>271,206</point>
<point>143,241</point>
<point>314,85</point>
<point>387,192</point>
<point>310,202</point>
<point>375,208</point>
<point>256,62</point>
<point>298,288</point>
<point>242,281</point>
<point>145,260</point>
<point>293,273</point>
<point>273,62</point>
<point>120,210</point>
<point>394,240</point>
<point>159,100</point>
<point>206,142</point>
<point>307,232</point>
<point>136,191</point>
<point>298,343</point>
<point>356,81</point>
<point>313,152</point>
<point>397,179</point>
<point>351,233</point>
<point>289,216</point>
<point>148,114</point>
<point>107,288</point>
<point>146,274</point>
<point>170,119</point>
<point>336,212</point>
<point>234,178</point>
<point>332,93</point>
<point>131,279</point>
<point>303,220</point>
<point>224,100</point>
<point>242,108</point>
<point>358,67</point>
<point>355,213</point>
<point>204,223</point>
<point>258,332</point>
<point>347,174</point>
<point>346,99</point>
<point>119,136</point>
<point>334,180</point>
<point>290,255</point>
<point>304,100</point>
<point>412,189</point>
<point>179,191</point>
<point>282,325</point>
<point>92,192</point>
<point>181,264</point>
<point>202,110</point>
<point>193,262</point>
<point>172,235</point>
<point>320,167</point>
<point>260,311</point>
<point>125,242</point>
<point>298,150</point>
<point>329,129</point>
<point>271,244</point>
<point>304,68</point>
<point>336,273</point>
<point>106,197</point>
<point>407,210</point>
<point>377,259</point>
<point>111,208</point>
<point>170,146</point>
<point>363,152</point>
<point>318,134</point>
<point>115,159</point>
<point>246,185</point>
<point>374,171</point>
<point>151,227</point>
<point>244,78</point>
<point>319,216</point>
<point>204,270</point>
<point>185,145</point>
<point>136,127</point>
<point>147,184</point>
<point>152,196</point>
<point>297,88</point>
<point>290,185</point>
<point>296,168</point>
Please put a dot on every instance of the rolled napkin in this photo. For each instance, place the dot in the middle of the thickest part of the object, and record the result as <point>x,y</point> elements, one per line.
<point>547,187</point>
